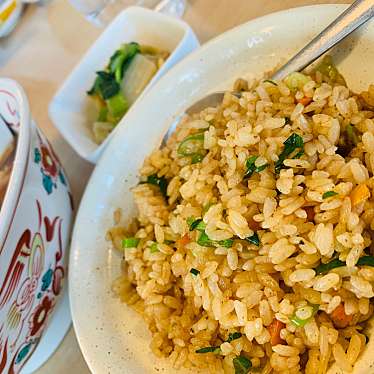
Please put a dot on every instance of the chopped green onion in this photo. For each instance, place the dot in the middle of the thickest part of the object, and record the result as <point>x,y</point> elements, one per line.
<point>242,365</point>
<point>161,182</point>
<point>200,226</point>
<point>336,263</point>
<point>366,261</point>
<point>168,242</point>
<point>234,336</point>
<point>329,194</point>
<point>154,248</point>
<point>251,167</point>
<point>215,350</point>
<point>296,81</point>
<point>195,271</point>
<point>261,168</point>
<point>205,241</point>
<point>270,81</point>
<point>352,134</point>
<point>227,243</point>
<point>328,69</point>
<point>130,242</point>
<point>347,141</point>
<point>254,239</point>
<point>292,143</point>
<point>206,207</point>
<point>196,158</point>
<point>324,268</point>
<point>197,224</point>
<point>190,221</point>
<point>304,315</point>
<point>192,146</point>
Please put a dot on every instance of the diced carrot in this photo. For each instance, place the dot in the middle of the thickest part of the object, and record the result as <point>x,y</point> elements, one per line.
<point>305,100</point>
<point>359,194</point>
<point>309,213</point>
<point>185,239</point>
<point>339,318</point>
<point>253,225</point>
<point>274,330</point>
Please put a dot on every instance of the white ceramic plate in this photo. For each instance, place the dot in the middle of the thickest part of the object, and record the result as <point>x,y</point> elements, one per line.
<point>113,338</point>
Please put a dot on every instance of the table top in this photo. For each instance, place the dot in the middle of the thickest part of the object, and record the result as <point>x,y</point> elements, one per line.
<point>47,40</point>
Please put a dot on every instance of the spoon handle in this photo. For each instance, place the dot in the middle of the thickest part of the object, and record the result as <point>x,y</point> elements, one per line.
<point>353,17</point>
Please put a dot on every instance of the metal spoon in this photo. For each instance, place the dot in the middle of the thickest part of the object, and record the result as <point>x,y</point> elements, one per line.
<point>353,17</point>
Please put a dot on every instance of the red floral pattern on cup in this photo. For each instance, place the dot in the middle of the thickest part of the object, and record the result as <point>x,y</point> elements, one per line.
<point>49,164</point>
<point>40,315</point>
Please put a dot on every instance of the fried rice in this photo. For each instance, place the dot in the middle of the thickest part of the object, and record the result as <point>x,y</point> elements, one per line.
<point>252,247</point>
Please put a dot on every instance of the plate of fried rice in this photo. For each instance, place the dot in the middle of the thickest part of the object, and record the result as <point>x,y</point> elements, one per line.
<point>244,245</point>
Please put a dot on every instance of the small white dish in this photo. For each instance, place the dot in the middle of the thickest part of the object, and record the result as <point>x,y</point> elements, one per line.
<point>68,108</point>
<point>114,338</point>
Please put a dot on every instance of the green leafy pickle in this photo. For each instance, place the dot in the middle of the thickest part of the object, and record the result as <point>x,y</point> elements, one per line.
<point>117,106</point>
<point>121,59</point>
<point>105,85</point>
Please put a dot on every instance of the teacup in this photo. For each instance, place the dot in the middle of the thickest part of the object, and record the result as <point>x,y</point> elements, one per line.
<point>35,222</point>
